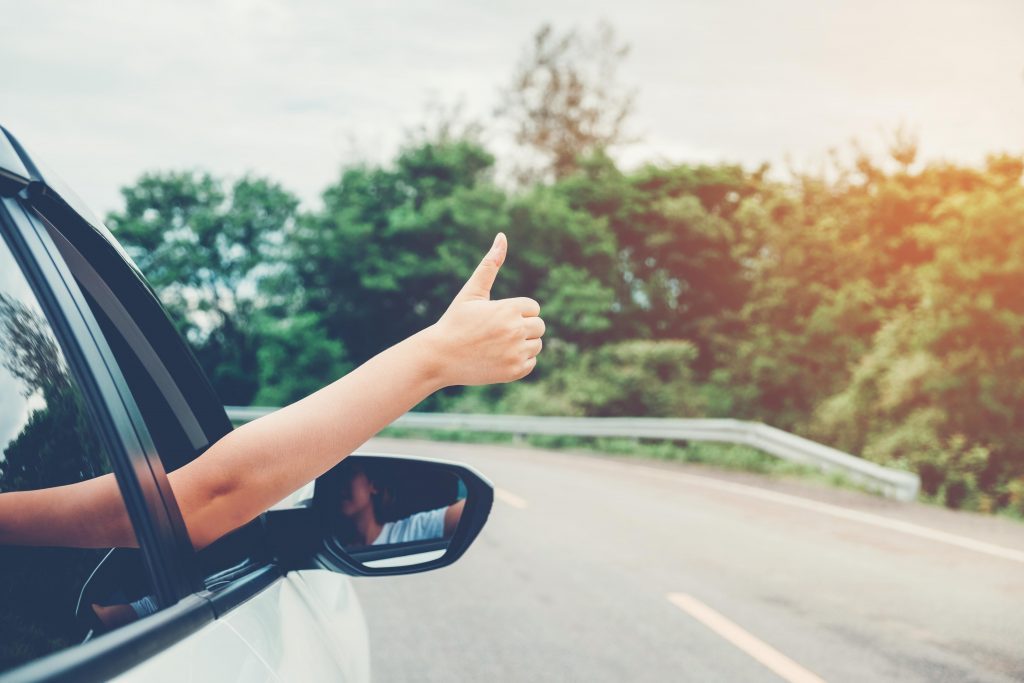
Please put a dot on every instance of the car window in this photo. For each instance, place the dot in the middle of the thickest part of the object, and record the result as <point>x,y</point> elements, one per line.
<point>51,597</point>
<point>234,555</point>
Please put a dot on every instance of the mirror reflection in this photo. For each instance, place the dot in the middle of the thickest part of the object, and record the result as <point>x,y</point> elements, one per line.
<point>389,512</point>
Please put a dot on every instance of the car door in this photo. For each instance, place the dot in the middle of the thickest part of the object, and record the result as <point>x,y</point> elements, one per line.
<point>64,422</point>
<point>227,613</point>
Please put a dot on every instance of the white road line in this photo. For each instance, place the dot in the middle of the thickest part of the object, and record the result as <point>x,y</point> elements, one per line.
<point>509,498</point>
<point>782,665</point>
<point>842,513</point>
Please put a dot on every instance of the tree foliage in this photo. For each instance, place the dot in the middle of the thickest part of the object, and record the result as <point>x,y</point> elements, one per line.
<point>637,377</point>
<point>564,101</point>
<point>208,248</point>
<point>875,306</point>
<point>876,309</point>
<point>938,389</point>
<point>392,244</point>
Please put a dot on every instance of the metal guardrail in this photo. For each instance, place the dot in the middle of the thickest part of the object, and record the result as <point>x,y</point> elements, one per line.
<point>892,483</point>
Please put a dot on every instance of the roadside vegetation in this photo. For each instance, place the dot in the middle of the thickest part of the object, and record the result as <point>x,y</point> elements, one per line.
<point>721,456</point>
<point>876,306</point>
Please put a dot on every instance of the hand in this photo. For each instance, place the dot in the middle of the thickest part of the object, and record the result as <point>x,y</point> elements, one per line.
<point>485,342</point>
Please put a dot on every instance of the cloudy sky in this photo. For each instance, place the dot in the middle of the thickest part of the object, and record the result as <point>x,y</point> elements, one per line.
<point>105,90</point>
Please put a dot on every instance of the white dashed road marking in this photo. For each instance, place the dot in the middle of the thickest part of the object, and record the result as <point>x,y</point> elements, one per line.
<point>509,498</point>
<point>779,663</point>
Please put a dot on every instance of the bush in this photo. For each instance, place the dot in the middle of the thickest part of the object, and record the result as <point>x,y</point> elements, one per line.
<point>635,378</point>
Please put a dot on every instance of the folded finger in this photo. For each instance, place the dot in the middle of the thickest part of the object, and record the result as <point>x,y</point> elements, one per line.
<point>535,328</point>
<point>528,365</point>
<point>533,347</point>
<point>525,305</point>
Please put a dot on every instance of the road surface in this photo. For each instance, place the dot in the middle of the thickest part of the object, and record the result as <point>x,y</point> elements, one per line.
<point>594,568</point>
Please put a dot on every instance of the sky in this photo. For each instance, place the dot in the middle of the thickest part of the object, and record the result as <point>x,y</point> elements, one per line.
<point>294,90</point>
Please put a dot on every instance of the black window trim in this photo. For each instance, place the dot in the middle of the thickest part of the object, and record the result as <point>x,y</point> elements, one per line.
<point>27,218</point>
<point>114,653</point>
<point>92,281</point>
<point>118,425</point>
<point>98,282</point>
<point>200,426</point>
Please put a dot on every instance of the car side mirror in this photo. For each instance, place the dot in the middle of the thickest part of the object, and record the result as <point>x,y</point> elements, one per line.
<point>374,515</point>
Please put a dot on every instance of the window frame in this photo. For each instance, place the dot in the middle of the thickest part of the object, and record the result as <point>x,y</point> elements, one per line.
<point>96,263</point>
<point>33,216</point>
<point>119,429</point>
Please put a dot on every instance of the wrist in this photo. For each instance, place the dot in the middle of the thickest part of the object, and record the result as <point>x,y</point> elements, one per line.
<point>431,358</point>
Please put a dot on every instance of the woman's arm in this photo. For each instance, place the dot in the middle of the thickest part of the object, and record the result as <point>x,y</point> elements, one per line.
<point>89,514</point>
<point>452,516</point>
<point>476,341</point>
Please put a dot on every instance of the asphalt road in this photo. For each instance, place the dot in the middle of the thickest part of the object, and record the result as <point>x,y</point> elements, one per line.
<point>594,568</point>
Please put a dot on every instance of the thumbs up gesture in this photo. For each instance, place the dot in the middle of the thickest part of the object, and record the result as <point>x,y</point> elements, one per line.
<point>486,341</point>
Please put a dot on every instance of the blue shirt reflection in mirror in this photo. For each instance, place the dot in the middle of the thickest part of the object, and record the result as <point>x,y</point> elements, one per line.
<point>421,526</point>
<point>381,502</point>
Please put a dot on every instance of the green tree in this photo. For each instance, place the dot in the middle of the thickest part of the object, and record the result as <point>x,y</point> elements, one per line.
<point>634,378</point>
<point>295,358</point>
<point>939,390</point>
<point>566,258</point>
<point>680,245</point>
<point>207,251</point>
<point>393,245</point>
<point>564,101</point>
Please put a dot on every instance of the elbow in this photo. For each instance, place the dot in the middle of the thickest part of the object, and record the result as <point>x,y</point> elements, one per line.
<point>221,509</point>
<point>224,488</point>
<point>209,506</point>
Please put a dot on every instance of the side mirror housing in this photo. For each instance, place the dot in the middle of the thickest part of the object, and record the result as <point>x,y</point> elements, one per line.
<point>381,515</point>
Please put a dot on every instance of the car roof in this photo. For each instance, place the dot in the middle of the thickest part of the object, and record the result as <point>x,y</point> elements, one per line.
<point>23,175</point>
<point>18,170</point>
<point>14,173</point>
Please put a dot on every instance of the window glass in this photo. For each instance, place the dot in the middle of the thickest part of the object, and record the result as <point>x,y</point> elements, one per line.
<point>237,553</point>
<point>48,440</point>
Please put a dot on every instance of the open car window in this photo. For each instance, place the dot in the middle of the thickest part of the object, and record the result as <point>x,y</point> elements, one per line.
<point>164,386</point>
<point>52,598</point>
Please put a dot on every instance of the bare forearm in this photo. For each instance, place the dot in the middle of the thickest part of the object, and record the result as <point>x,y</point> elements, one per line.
<point>245,472</point>
<point>261,462</point>
<point>476,341</point>
<point>249,469</point>
<point>88,514</point>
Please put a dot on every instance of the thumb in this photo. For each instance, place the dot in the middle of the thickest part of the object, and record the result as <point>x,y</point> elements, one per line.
<point>480,282</point>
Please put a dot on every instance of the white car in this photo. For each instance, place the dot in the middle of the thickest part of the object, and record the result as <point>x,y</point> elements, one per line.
<point>95,381</point>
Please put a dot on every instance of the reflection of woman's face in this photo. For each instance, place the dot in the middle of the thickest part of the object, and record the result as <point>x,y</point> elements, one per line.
<point>359,496</point>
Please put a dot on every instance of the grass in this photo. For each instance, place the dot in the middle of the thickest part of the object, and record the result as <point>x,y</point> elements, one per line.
<point>723,456</point>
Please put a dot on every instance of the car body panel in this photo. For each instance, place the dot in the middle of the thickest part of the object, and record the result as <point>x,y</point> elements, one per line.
<point>335,605</point>
<point>307,626</point>
<point>214,653</point>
